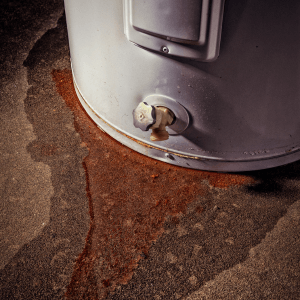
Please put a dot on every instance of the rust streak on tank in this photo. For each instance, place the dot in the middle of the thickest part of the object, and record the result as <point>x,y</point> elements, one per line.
<point>130,196</point>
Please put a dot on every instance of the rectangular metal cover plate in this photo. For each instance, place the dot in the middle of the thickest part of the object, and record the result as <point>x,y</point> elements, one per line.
<point>171,18</point>
<point>183,28</point>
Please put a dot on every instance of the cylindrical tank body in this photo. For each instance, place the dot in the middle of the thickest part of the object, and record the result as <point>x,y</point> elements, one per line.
<point>242,106</point>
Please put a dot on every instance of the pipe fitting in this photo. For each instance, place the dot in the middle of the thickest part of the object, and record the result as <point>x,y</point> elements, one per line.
<point>157,118</point>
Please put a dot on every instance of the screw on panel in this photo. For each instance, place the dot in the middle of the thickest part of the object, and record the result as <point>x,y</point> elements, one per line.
<point>164,49</point>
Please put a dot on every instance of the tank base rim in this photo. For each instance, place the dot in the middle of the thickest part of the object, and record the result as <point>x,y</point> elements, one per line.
<point>205,164</point>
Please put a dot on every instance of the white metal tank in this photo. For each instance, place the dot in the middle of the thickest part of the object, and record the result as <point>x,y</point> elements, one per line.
<point>211,84</point>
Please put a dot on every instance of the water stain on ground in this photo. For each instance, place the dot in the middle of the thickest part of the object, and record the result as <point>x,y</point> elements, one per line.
<point>131,197</point>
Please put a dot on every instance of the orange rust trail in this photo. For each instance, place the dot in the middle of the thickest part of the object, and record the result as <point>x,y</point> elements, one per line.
<point>130,197</point>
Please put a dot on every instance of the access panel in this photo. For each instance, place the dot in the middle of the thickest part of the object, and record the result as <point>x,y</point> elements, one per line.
<point>184,28</point>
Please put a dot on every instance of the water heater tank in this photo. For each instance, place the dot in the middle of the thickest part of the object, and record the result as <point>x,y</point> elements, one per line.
<point>203,84</point>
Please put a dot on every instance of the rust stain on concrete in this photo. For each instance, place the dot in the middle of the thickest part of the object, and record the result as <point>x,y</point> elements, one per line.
<point>130,197</point>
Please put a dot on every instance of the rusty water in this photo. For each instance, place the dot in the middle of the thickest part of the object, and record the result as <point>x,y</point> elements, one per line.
<point>130,197</point>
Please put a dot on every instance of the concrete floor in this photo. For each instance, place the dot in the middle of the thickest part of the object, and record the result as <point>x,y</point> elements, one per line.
<point>78,221</point>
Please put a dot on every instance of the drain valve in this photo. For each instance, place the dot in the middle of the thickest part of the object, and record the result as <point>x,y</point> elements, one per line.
<point>147,117</point>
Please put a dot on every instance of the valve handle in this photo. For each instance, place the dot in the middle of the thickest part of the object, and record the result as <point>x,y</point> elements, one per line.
<point>144,116</point>
<point>156,118</point>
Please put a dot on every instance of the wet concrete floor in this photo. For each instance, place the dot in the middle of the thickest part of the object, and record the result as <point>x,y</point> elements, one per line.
<point>84,217</point>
